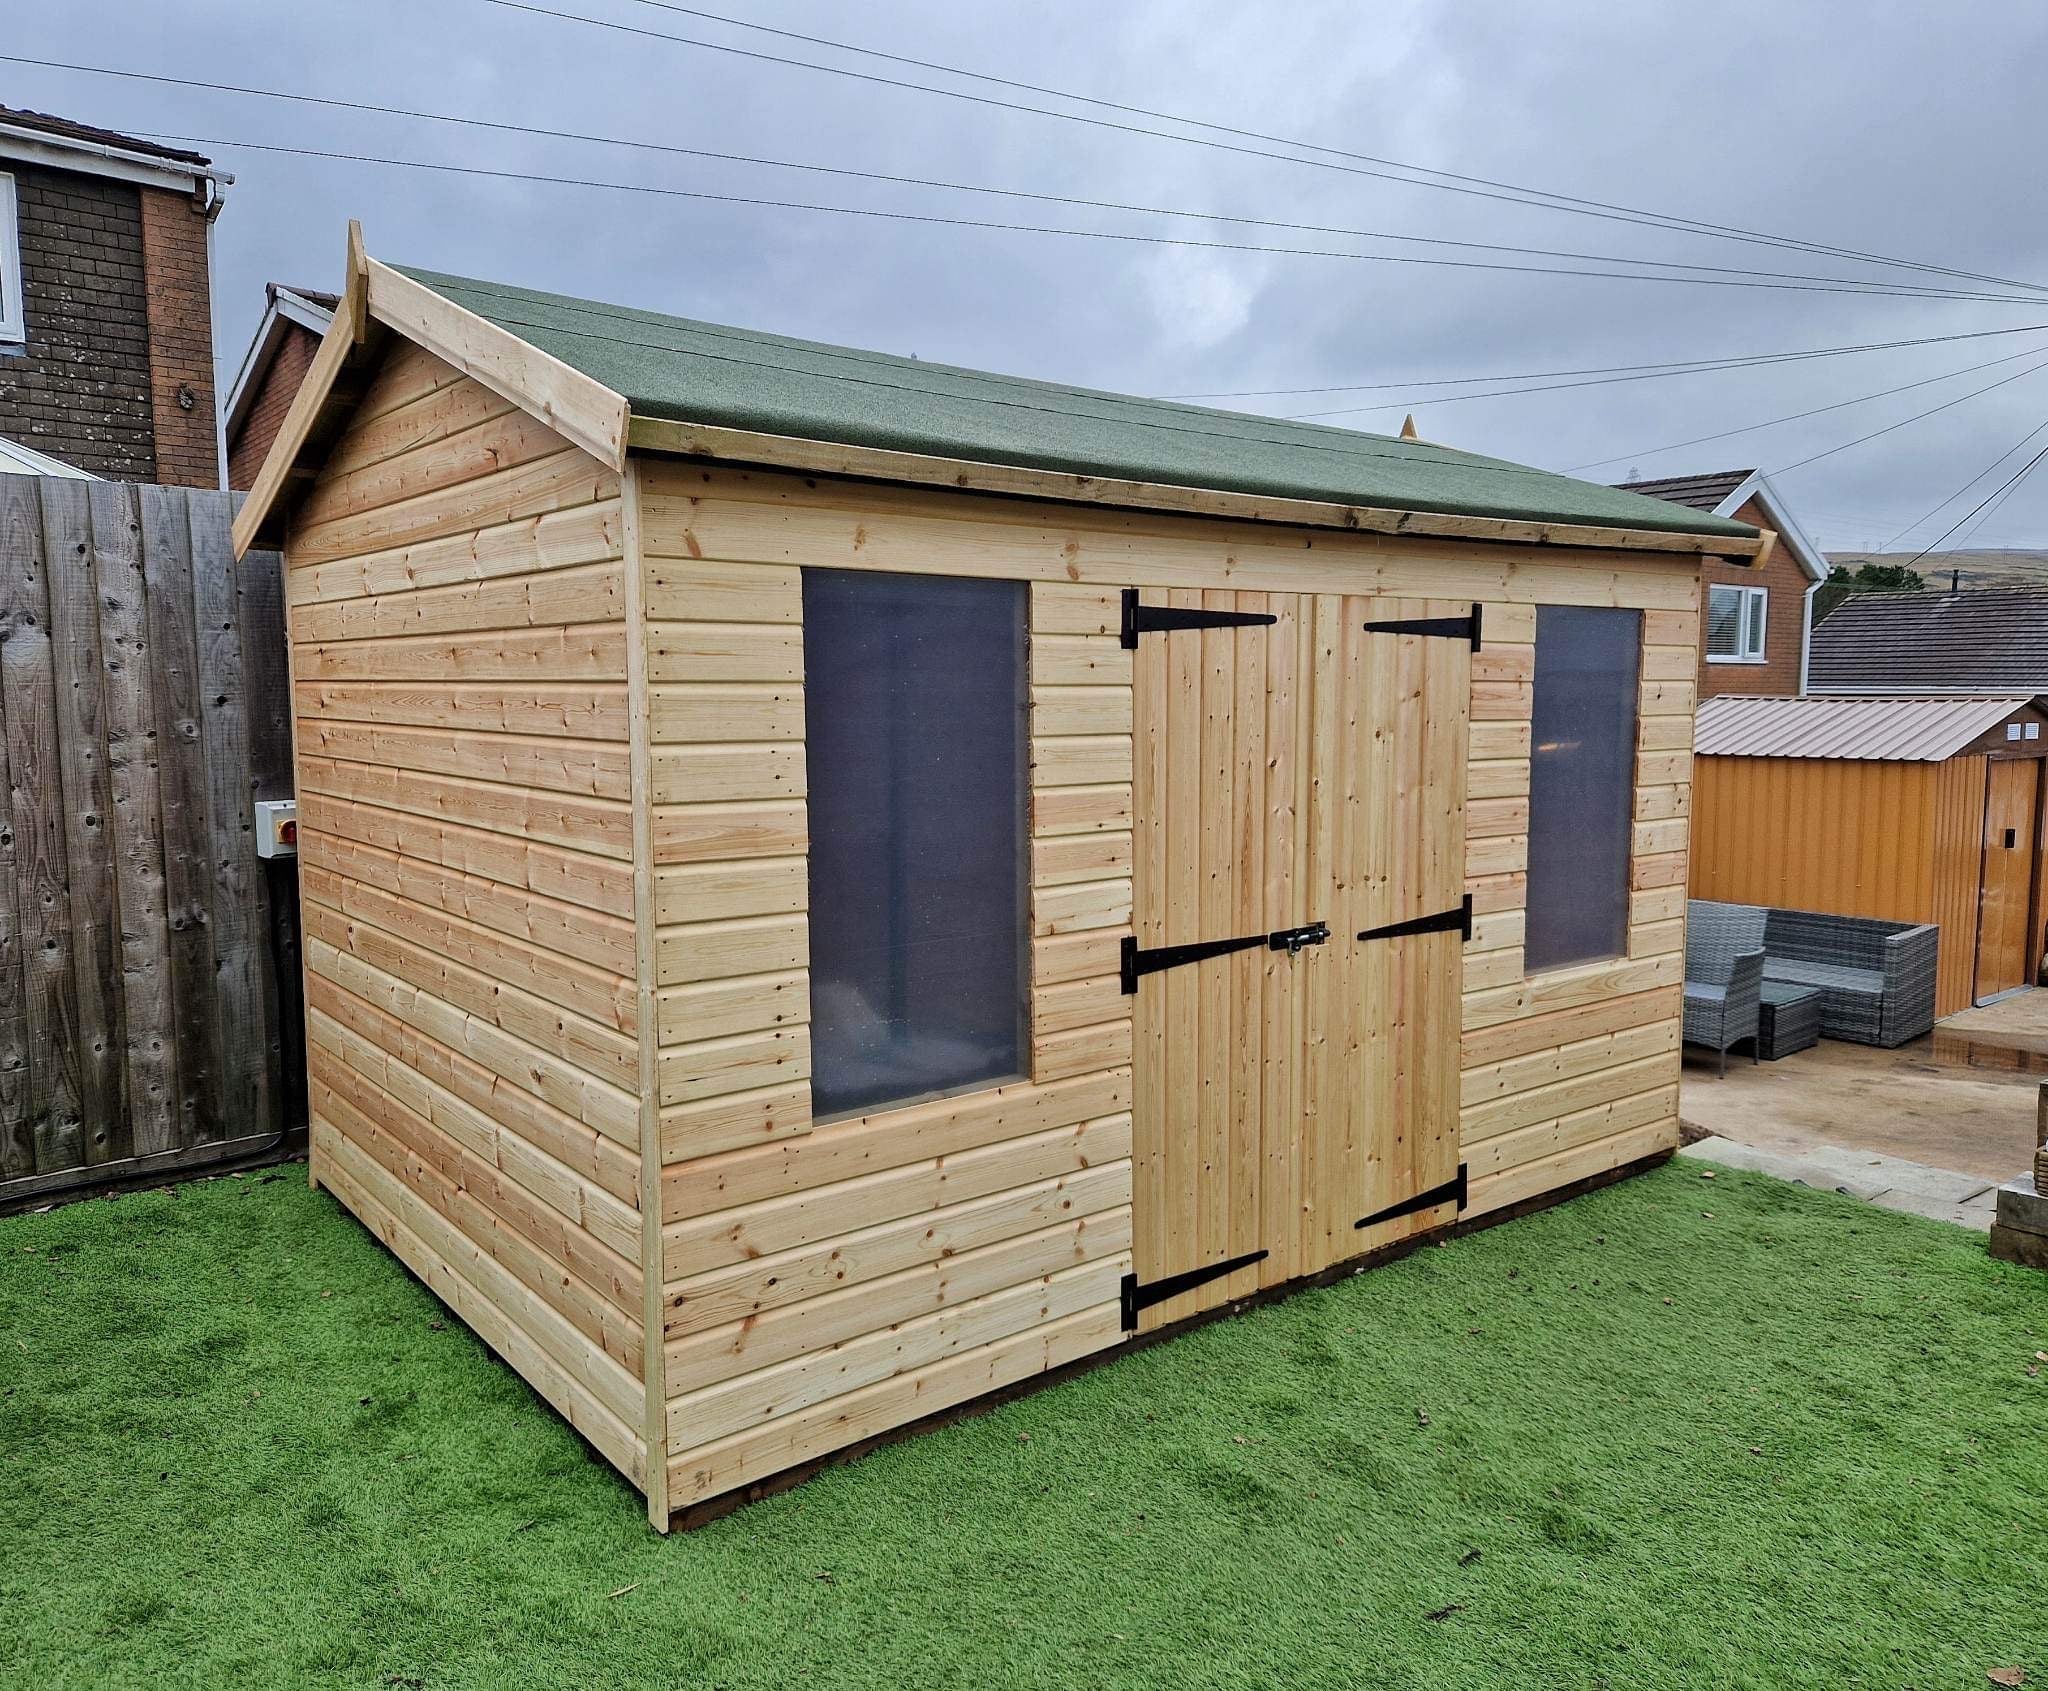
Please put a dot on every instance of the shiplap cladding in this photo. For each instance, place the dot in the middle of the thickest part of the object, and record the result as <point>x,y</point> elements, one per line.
<point>455,589</point>
<point>492,634</point>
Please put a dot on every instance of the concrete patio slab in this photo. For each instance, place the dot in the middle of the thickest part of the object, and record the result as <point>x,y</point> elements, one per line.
<point>1888,1182</point>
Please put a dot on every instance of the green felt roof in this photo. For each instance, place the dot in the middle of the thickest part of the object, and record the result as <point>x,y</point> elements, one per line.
<point>737,378</point>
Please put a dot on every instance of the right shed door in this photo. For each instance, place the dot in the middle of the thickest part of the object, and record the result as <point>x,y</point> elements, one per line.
<point>2004,928</point>
<point>1302,766</point>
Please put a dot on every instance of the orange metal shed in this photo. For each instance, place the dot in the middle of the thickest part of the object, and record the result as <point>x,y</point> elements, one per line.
<point>1915,809</point>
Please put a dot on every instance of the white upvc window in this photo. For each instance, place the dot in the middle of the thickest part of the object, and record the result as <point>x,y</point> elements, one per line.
<point>13,331</point>
<point>1736,620</point>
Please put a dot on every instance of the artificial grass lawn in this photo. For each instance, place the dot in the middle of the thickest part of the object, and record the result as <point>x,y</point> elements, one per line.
<point>1794,1441</point>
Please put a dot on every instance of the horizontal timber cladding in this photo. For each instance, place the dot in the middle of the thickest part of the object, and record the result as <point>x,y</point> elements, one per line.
<point>457,600</point>
<point>825,1281</point>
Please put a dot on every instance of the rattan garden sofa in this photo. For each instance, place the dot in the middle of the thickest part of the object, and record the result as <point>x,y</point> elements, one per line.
<point>1876,978</point>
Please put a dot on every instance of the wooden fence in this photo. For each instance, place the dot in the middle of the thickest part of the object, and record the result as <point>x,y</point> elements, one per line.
<point>148,957</point>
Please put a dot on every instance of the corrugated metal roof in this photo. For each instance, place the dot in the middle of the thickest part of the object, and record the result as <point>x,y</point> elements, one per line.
<point>1702,493</point>
<point>738,378</point>
<point>1983,640</point>
<point>1880,730</point>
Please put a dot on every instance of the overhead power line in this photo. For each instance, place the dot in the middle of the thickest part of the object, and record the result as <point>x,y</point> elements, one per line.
<point>2012,482</point>
<point>1816,411</point>
<point>1356,164</point>
<point>2019,446</point>
<point>1848,283</point>
<point>1905,422</point>
<point>1594,382</point>
<point>1675,366</point>
<point>1130,237</point>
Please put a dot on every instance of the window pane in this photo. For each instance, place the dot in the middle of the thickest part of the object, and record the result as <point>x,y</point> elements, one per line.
<point>1724,621</point>
<point>914,717</point>
<point>1581,784</point>
<point>1754,646</point>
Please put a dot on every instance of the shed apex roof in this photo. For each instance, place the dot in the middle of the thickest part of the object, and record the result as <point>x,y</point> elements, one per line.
<point>1879,730</point>
<point>706,374</point>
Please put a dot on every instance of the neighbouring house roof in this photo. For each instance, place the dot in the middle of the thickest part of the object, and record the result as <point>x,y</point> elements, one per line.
<point>1886,730</point>
<point>706,373</point>
<point>67,144</point>
<point>19,460</point>
<point>1702,493</point>
<point>1994,640</point>
<point>1724,492</point>
<point>310,308</point>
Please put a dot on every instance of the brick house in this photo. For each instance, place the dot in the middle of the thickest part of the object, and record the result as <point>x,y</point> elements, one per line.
<point>1757,635</point>
<point>106,311</point>
<point>294,319</point>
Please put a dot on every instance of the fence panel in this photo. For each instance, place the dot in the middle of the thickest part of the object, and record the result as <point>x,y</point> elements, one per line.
<point>148,957</point>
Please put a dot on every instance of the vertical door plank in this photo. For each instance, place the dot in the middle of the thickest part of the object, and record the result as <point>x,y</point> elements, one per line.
<point>1180,988</point>
<point>1214,980</point>
<point>150,1045</point>
<point>181,773</point>
<point>97,1034</point>
<point>1321,986</point>
<point>1251,914</point>
<point>1285,900</point>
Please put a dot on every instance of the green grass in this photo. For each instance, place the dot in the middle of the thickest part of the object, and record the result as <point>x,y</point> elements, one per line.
<point>1794,1441</point>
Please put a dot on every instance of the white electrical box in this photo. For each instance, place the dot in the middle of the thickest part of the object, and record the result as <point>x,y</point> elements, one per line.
<point>277,827</point>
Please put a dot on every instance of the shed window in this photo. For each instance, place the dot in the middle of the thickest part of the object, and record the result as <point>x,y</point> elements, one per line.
<point>13,329</point>
<point>1736,618</point>
<point>1581,784</point>
<point>914,719</point>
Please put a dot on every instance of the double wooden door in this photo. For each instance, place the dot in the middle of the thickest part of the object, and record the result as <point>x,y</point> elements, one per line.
<point>1299,792</point>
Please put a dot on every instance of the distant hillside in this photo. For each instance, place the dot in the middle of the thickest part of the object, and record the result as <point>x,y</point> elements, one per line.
<point>1993,567</point>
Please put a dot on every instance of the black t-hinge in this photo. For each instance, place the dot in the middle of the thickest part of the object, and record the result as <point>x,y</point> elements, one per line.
<point>1457,919</point>
<point>1164,619</point>
<point>1135,1297</point>
<point>1451,628</point>
<point>1289,940</point>
<point>1453,1188</point>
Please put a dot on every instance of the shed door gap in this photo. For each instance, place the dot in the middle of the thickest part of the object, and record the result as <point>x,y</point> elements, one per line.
<point>1450,1189</point>
<point>1458,919</point>
<point>1136,1297</point>
<point>1150,962</point>
<point>1450,628</point>
<point>1163,619</point>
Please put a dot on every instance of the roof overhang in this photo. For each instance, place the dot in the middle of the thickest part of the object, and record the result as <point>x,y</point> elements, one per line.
<point>283,309</point>
<point>23,144</point>
<point>379,300</point>
<point>1783,523</point>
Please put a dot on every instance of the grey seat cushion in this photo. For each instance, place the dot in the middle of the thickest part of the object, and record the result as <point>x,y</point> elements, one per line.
<point>1832,977</point>
<point>1699,992</point>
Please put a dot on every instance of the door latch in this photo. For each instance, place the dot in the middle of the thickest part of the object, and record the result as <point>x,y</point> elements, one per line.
<point>1291,940</point>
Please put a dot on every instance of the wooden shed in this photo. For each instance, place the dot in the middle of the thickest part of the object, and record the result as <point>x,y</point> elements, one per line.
<point>1913,809</point>
<point>837,885</point>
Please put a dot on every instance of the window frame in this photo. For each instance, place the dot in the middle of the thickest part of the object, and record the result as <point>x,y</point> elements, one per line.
<point>1753,601</point>
<point>1020,823</point>
<point>13,325</point>
<point>1625,834</point>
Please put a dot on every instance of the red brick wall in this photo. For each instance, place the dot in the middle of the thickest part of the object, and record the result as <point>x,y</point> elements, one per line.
<point>1787,582</point>
<point>179,299</point>
<point>272,399</point>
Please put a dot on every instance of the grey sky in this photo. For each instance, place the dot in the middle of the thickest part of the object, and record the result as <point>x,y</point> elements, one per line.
<point>1907,130</point>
